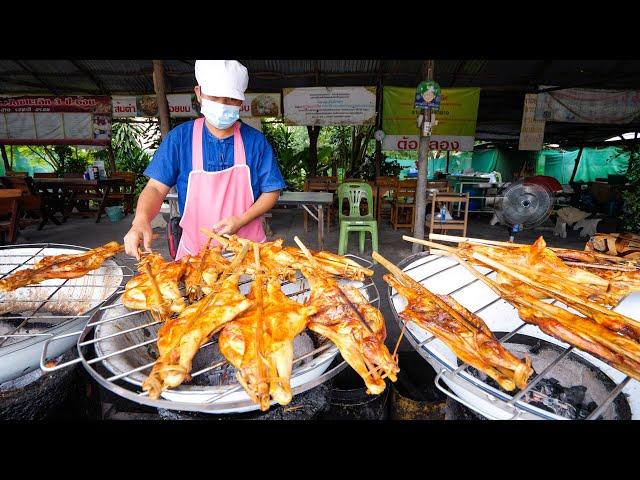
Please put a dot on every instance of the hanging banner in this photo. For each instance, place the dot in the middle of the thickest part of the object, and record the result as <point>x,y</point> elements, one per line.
<point>456,118</point>
<point>186,105</point>
<point>51,120</point>
<point>329,106</point>
<point>584,105</point>
<point>180,105</point>
<point>532,130</point>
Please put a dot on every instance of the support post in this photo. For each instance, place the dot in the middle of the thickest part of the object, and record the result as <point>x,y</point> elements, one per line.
<point>163,114</point>
<point>575,166</point>
<point>446,169</point>
<point>378,154</point>
<point>423,155</point>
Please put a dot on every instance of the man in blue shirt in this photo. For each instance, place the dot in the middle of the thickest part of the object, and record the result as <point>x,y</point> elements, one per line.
<point>246,183</point>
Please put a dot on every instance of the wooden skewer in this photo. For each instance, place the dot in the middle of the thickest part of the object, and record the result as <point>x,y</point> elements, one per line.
<point>620,268</point>
<point>307,253</point>
<point>429,244</point>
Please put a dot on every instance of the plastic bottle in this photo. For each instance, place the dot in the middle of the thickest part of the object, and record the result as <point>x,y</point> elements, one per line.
<point>443,214</point>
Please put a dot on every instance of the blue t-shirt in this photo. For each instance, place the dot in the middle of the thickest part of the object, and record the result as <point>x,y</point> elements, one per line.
<point>171,163</point>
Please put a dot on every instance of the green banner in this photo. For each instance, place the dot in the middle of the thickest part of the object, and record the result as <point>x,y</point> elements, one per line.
<point>456,119</point>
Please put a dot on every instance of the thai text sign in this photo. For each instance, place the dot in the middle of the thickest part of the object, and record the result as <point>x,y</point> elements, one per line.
<point>456,118</point>
<point>330,106</point>
<point>186,105</point>
<point>180,105</point>
<point>584,105</point>
<point>532,130</point>
<point>51,120</point>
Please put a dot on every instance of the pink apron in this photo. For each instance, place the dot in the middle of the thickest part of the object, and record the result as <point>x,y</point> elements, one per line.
<point>212,196</point>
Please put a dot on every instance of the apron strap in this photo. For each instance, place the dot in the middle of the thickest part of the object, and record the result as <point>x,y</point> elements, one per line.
<point>239,157</point>
<point>197,162</point>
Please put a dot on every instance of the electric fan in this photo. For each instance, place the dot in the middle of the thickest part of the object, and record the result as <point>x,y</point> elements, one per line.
<point>524,205</point>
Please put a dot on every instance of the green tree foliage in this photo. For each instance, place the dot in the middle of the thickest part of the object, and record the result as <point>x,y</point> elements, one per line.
<point>130,143</point>
<point>631,216</point>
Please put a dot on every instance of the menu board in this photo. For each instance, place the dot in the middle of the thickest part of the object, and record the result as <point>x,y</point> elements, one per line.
<point>329,106</point>
<point>64,120</point>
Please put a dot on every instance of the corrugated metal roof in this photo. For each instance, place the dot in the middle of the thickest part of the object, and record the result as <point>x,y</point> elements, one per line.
<point>504,82</point>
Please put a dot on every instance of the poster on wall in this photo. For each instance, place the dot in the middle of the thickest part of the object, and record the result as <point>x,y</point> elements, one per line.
<point>532,130</point>
<point>51,120</point>
<point>586,105</point>
<point>456,117</point>
<point>329,106</point>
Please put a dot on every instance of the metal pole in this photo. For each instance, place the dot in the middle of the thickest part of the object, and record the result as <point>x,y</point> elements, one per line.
<point>421,189</point>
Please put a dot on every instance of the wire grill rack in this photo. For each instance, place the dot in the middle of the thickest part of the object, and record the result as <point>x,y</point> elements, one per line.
<point>207,400</point>
<point>514,404</point>
<point>31,314</point>
<point>54,294</point>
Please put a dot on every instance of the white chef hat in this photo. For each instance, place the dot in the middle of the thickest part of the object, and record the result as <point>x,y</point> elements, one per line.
<point>222,78</point>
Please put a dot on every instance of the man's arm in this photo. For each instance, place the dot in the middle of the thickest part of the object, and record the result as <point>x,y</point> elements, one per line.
<point>149,204</point>
<point>263,204</point>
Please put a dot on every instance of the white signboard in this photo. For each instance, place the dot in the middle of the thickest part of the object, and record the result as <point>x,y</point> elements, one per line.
<point>436,142</point>
<point>124,106</point>
<point>330,106</point>
<point>532,130</point>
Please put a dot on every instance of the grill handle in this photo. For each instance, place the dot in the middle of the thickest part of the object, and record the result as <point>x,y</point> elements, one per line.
<point>45,347</point>
<point>456,397</point>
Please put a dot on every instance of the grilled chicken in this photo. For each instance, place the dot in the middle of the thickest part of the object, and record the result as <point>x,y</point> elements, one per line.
<point>286,260</point>
<point>264,369</point>
<point>156,288</point>
<point>180,338</point>
<point>542,265</point>
<point>60,267</point>
<point>617,350</point>
<point>203,271</point>
<point>355,328</point>
<point>463,332</point>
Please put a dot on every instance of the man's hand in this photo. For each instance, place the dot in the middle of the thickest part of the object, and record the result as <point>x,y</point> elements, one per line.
<point>229,225</point>
<point>140,229</point>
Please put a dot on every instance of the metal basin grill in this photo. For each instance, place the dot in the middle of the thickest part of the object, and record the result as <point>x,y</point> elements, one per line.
<point>444,275</point>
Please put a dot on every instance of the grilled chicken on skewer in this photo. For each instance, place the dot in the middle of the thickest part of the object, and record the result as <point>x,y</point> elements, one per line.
<point>156,288</point>
<point>617,350</point>
<point>203,271</point>
<point>286,260</point>
<point>60,267</point>
<point>463,332</point>
<point>180,338</point>
<point>358,332</point>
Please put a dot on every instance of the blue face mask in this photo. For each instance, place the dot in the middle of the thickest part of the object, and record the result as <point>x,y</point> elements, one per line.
<point>218,114</point>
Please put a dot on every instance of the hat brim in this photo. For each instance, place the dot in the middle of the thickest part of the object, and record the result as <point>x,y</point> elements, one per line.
<point>220,92</point>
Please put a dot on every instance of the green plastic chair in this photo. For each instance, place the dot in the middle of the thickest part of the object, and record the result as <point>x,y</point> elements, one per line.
<point>355,222</point>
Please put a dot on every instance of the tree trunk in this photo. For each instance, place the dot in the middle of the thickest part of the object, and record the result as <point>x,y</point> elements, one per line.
<point>112,159</point>
<point>5,160</point>
<point>313,132</point>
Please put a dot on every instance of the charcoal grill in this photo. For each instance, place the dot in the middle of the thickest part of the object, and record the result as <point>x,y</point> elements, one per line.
<point>117,348</point>
<point>31,315</point>
<point>444,275</point>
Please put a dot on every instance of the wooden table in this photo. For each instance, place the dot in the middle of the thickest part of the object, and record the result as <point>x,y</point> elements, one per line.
<point>59,187</point>
<point>317,200</point>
